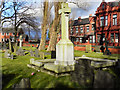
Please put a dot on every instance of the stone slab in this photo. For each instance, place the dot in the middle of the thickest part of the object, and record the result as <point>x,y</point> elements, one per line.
<point>58,68</point>
<point>97,62</point>
<point>103,64</point>
<point>33,66</point>
<point>95,59</point>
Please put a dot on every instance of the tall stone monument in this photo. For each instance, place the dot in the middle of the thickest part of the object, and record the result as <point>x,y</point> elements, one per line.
<point>20,40</point>
<point>64,48</point>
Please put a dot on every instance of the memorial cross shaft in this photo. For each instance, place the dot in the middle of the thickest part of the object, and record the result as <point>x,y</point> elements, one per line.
<point>64,20</point>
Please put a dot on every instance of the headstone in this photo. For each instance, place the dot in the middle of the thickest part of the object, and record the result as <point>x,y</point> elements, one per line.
<point>88,48</point>
<point>97,48</point>
<point>31,53</point>
<point>11,57</point>
<point>6,54</point>
<point>37,53</point>
<point>20,52</point>
<point>24,83</point>
<point>32,60</point>
<point>64,48</point>
<point>83,73</point>
<point>104,79</point>
<point>42,55</point>
<point>4,45</point>
<point>53,54</point>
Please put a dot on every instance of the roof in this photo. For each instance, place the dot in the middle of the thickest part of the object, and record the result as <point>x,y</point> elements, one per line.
<point>83,22</point>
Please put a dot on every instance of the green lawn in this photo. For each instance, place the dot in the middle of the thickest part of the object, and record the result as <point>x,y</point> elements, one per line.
<point>96,55</point>
<point>14,70</point>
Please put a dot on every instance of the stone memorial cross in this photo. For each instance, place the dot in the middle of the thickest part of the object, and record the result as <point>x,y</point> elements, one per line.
<point>64,48</point>
<point>20,40</point>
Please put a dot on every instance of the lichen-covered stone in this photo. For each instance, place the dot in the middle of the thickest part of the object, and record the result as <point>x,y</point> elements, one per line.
<point>58,68</point>
<point>83,73</point>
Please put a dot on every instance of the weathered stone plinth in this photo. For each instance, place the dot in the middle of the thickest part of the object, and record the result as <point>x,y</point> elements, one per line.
<point>58,68</point>
<point>64,53</point>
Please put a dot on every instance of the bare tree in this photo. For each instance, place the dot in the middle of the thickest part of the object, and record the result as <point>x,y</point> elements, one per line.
<point>18,16</point>
<point>55,28</point>
<point>45,24</point>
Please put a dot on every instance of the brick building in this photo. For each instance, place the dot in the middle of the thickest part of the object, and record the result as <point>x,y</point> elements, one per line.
<point>7,33</point>
<point>108,23</point>
<point>82,30</point>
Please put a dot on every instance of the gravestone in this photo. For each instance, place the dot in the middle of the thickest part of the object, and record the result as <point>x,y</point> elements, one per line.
<point>12,57</point>
<point>83,73</point>
<point>20,40</point>
<point>64,48</point>
<point>88,48</point>
<point>31,53</point>
<point>24,83</point>
<point>53,54</point>
<point>104,79</point>
<point>4,46</point>
<point>32,60</point>
<point>37,53</point>
<point>42,55</point>
<point>97,48</point>
<point>7,54</point>
<point>20,52</point>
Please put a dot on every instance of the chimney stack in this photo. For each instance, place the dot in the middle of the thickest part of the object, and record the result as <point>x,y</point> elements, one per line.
<point>79,19</point>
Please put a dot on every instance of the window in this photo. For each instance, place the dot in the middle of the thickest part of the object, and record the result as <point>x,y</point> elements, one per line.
<point>2,33</point>
<point>116,37</point>
<point>103,6</point>
<point>87,28</point>
<point>103,37</point>
<point>2,40</point>
<point>77,39</point>
<point>115,19</point>
<point>81,29</point>
<point>98,38</point>
<point>7,33</point>
<point>112,37</point>
<point>80,40</point>
<point>106,20</point>
<point>102,21</point>
<point>92,27</point>
<point>76,29</point>
<point>91,39</point>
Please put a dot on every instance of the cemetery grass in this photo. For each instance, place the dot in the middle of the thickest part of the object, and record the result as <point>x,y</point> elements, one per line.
<point>14,70</point>
<point>96,55</point>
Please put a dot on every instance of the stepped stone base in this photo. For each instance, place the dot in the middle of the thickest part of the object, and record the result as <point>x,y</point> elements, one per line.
<point>58,68</point>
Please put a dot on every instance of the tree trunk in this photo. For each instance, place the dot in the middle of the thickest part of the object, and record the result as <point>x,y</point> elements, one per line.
<point>44,27</point>
<point>54,30</point>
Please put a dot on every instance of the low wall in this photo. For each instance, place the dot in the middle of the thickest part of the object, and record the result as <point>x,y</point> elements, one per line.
<point>113,49</point>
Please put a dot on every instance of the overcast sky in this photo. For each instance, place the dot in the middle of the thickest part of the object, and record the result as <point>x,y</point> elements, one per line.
<point>75,11</point>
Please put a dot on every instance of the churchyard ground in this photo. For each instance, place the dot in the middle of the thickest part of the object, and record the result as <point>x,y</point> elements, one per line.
<point>14,70</point>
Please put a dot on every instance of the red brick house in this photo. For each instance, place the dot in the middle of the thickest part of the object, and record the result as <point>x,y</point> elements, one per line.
<point>108,23</point>
<point>82,30</point>
<point>7,33</point>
